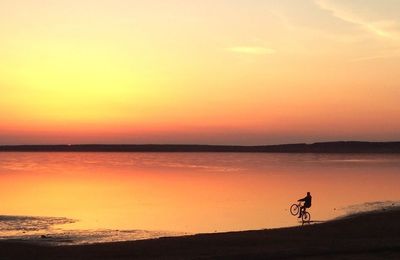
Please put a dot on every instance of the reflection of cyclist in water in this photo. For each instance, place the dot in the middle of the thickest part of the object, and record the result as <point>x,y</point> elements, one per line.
<point>307,203</point>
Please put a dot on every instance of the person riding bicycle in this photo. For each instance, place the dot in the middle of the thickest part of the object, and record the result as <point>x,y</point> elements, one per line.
<point>307,203</point>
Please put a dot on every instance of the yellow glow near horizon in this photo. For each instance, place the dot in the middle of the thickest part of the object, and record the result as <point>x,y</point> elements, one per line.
<point>216,72</point>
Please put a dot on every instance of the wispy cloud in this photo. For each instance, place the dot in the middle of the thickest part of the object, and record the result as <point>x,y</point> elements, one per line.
<point>380,28</point>
<point>252,50</point>
<point>390,54</point>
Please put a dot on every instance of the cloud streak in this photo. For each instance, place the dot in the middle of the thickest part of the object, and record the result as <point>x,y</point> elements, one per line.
<point>252,50</point>
<point>380,28</point>
<point>392,54</point>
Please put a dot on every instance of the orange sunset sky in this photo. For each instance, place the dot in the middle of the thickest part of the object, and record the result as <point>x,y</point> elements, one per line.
<point>210,71</point>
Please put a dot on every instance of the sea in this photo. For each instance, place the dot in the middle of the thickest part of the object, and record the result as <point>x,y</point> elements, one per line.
<point>67,198</point>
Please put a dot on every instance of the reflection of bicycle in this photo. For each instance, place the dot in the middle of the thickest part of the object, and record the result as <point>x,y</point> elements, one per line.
<point>305,216</point>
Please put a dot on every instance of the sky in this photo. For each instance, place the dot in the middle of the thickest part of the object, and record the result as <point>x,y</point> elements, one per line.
<point>208,72</point>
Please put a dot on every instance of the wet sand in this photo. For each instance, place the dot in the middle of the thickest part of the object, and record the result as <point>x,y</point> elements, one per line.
<point>374,235</point>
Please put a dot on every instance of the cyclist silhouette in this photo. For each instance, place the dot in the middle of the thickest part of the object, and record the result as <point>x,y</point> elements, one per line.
<point>307,203</point>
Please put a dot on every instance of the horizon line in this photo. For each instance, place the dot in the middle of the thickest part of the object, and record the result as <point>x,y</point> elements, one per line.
<point>327,147</point>
<point>196,144</point>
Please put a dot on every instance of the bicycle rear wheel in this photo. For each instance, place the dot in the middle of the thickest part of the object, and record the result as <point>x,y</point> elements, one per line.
<point>294,209</point>
<point>306,217</point>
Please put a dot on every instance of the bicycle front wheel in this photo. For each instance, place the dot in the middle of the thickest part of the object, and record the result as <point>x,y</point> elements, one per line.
<point>294,209</point>
<point>306,217</point>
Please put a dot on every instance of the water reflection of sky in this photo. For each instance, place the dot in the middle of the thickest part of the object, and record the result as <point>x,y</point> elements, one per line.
<point>185,192</point>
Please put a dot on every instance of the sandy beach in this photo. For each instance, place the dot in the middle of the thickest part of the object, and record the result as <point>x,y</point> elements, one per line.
<point>373,235</point>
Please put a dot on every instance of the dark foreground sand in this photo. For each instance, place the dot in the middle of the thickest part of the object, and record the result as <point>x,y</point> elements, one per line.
<point>368,236</point>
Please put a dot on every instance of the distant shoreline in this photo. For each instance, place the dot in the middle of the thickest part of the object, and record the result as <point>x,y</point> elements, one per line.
<point>323,147</point>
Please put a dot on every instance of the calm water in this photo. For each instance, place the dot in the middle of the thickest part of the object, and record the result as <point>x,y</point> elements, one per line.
<point>92,197</point>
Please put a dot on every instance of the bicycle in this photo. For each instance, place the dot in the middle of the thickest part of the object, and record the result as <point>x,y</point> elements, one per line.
<point>305,216</point>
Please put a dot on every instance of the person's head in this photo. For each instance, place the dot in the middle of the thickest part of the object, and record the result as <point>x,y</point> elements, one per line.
<point>308,193</point>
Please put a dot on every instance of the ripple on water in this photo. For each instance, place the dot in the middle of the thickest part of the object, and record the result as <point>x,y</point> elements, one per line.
<point>49,230</point>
